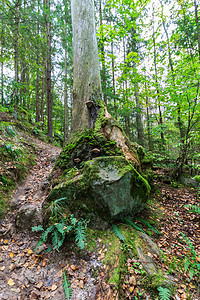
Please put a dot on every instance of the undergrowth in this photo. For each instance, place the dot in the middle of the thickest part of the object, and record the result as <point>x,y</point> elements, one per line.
<point>63,225</point>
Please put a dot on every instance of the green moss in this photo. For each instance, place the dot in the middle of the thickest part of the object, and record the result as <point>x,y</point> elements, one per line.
<point>81,147</point>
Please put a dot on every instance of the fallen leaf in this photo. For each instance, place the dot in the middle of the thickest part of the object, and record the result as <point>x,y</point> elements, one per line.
<point>2,268</point>
<point>81,284</point>
<point>131,289</point>
<point>11,254</point>
<point>39,285</point>
<point>10,282</point>
<point>11,267</point>
<point>73,267</point>
<point>54,287</point>
<point>30,251</point>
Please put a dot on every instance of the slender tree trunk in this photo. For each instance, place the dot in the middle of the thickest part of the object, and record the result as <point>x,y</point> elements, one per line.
<point>148,121</point>
<point>66,108</point>
<point>139,124</point>
<point>103,56</point>
<point>23,82</point>
<point>2,81</point>
<point>113,80</point>
<point>48,76</point>
<point>42,95</point>
<point>157,88</point>
<point>198,26</point>
<point>16,91</point>
<point>38,78</point>
<point>87,83</point>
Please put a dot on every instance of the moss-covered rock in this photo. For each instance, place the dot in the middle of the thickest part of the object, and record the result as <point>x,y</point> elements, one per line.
<point>108,187</point>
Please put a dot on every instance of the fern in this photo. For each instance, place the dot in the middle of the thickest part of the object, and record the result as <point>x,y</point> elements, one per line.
<point>164,293</point>
<point>37,228</point>
<point>193,208</point>
<point>66,286</point>
<point>148,225</point>
<point>80,236</point>
<point>130,223</point>
<point>118,233</point>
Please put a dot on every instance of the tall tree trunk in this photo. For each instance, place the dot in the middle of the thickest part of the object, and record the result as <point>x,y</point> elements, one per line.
<point>38,77</point>
<point>113,80</point>
<point>103,56</point>
<point>2,81</point>
<point>148,121</point>
<point>66,108</point>
<point>139,124</point>
<point>198,26</point>
<point>16,57</point>
<point>42,95</point>
<point>48,78</point>
<point>157,88</point>
<point>87,83</point>
<point>23,82</point>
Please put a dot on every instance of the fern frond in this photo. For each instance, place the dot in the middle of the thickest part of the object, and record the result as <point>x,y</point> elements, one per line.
<point>148,225</point>
<point>193,208</point>
<point>37,228</point>
<point>59,227</point>
<point>66,286</point>
<point>46,232</point>
<point>164,293</point>
<point>80,236</point>
<point>130,223</point>
<point>57,239</point>
<point>118,233</point>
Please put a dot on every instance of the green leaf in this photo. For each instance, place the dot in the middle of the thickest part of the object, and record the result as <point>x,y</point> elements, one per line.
<point>118,233</point>
<point>80,236</point>
<point>191,272</point>
<point>130,223</point>
<point>66,286</point>
<point>164,293</point>
<point>37,228</point>
<point>186,264</point>
<point>148,225</point>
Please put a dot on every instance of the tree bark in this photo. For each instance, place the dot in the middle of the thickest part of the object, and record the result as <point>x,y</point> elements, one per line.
<point>66,108</point>
<point>38,77</point>
<point>48,78</point>
<point>198,26</point>
<point>157,88</point>
<point>16,57</point>
<point>87,83</point>
<point>139,125</point>
<point>103,56</point>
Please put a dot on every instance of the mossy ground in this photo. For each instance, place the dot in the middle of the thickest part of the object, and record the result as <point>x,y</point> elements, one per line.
<point>16,157</point>
<point>122,261</point>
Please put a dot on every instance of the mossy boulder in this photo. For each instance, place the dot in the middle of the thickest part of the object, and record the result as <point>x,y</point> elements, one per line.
<point>107,187</point>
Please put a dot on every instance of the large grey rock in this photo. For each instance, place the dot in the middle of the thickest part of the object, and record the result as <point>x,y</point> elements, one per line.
<point>28,216</point>
<point>109,187</point>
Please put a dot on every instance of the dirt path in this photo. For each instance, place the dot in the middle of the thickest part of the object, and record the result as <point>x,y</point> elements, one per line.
<point>27,275</point>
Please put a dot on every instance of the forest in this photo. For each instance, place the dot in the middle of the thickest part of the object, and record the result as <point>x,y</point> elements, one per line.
<point>99,105</point>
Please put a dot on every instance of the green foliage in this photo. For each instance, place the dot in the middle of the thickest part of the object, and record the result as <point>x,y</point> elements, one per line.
<point>164,293</point>
<point>63,225</point>
<point>80,236</point>
<point>193,208</point>
<point>191,264</point>
<point>118,233</point>
<point>130,223</point>
<point>148,225</point>
<point>66,286</point>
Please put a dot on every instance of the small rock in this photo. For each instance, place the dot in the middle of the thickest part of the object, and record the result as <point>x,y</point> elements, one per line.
<point>28,216</point>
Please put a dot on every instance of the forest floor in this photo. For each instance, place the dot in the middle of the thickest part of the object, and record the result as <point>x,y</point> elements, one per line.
<point>26,274</point>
